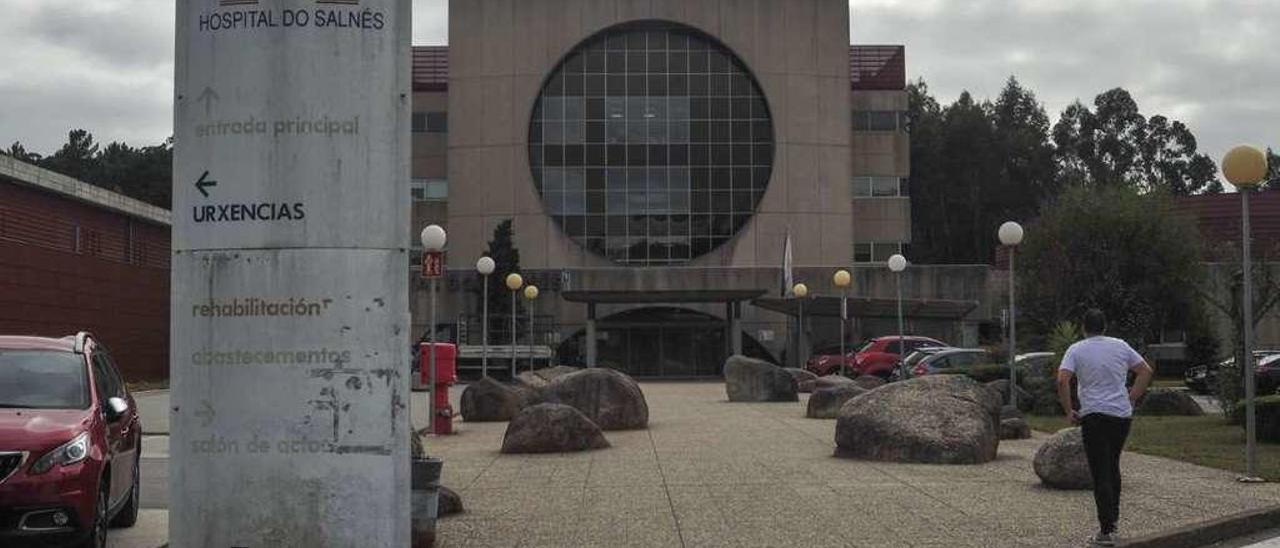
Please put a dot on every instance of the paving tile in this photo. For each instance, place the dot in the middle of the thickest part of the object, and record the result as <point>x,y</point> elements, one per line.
<point>712,473</point>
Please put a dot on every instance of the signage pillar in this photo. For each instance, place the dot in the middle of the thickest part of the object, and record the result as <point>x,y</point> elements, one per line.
<point>289,310</point>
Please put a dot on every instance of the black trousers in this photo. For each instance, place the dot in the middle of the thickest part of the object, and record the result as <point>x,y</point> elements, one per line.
<point>1104,437</point>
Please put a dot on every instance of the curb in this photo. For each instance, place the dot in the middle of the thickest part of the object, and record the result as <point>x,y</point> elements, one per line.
<point>1208,532</point>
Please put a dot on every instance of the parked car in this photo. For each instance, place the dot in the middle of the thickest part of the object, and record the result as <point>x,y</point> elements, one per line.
<point>1038,363</point>
<point>949,360</point>
<point>826,361</point>
<point>1203,379</point>
<point>69,443</point>
<point>880,355</point>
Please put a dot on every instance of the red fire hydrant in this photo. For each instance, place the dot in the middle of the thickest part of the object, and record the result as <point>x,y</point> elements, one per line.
<point>446,375</point>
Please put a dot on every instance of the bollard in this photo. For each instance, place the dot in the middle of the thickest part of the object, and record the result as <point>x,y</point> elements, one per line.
<point>424,498</point>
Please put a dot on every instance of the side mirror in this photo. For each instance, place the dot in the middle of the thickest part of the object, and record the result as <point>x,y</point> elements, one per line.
<point>115,409</point>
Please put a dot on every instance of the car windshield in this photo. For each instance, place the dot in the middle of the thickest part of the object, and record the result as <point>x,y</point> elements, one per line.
<point>43,379</point>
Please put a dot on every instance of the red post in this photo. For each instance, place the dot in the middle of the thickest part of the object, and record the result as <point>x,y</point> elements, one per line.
<point>446,375</point>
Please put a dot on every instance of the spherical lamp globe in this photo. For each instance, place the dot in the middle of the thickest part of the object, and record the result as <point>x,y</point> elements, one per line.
<point>485,266</point>
<point>1010,233</point>
<point>531,292</point>
<point>842,278</point>
<point>1245,166</point>
<point>433,238</point>
<point>800,290</point>
<point>514,281</point>
<point>897,263</point>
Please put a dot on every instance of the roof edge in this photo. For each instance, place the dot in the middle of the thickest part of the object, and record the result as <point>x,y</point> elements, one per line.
<point>62,185</point>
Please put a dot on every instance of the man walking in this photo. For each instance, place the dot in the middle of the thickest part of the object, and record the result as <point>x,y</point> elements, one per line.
<point>1101,366</point>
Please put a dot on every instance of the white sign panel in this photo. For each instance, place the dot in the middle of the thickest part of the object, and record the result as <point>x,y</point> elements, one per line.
<point>289,349</point>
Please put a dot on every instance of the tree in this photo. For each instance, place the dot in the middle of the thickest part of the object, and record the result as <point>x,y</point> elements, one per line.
<point>1115,145</point>
<point>506,259</point>
<point>1112,248</point>
<point>1224,292</point>
<point>144,174</point>
<point>975,165</point>
<point>1273,171</point>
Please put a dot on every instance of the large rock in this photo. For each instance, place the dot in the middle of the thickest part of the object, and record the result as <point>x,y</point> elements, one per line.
<point>540,378</point>
<point>1162,401</point>
<point>610,398</point>
<point>830,381</point>
<point>748,379</point>
<point>825,403</point>
<point>489,400</point>
<point>804,379</point>
<point>1061,462</point>
<point>551,428</point>
<point>1015,428</point>
<point>449,503</point>
<point>869,382</point>
<point>937,419</point>
<point>1001,386</point>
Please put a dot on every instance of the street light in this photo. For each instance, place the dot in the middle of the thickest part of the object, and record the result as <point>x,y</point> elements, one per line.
<point>514,283</point>
<point>800,291</point>
<point>1010,235</point>
<point>897,264</point>
<point>843,280</point>
<point>433,239</point>
<point>1246,166</point>
<point>485,267</point>
<point>531,294</point>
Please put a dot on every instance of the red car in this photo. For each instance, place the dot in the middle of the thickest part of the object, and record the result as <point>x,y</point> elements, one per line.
<point>880,355</point>
<point>69,443</point>
<point>826,361</point>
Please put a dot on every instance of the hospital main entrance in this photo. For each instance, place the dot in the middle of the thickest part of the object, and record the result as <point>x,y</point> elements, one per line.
<point>662,341</point>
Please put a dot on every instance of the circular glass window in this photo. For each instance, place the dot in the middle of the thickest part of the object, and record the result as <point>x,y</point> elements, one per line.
<point>651,144</point>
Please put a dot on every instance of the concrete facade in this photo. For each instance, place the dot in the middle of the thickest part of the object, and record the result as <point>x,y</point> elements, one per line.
<point>833,142</point>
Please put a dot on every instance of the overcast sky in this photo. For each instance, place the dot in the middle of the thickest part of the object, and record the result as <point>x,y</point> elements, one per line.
<point>107,65</point>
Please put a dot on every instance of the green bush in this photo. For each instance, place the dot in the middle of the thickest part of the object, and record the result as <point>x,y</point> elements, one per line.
<point>985,372</point>
<point>1268,410</point>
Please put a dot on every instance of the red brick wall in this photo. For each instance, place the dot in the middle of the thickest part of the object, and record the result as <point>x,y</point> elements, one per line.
<point>66,266</point>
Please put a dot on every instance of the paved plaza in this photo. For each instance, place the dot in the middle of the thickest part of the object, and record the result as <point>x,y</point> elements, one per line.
<point>712,473</point>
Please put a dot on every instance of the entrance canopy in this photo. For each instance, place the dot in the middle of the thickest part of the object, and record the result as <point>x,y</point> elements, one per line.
<point>665,297</point>
<point>871,307</point>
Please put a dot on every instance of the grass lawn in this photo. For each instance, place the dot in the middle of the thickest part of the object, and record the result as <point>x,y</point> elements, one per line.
<point>1207,441</point>
<point>1168,383</point>
<point>141,386</point>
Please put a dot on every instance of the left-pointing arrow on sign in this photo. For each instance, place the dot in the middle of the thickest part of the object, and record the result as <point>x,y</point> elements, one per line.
<point>204,183</point>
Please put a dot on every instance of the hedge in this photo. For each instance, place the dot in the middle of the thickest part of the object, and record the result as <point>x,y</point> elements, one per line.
<point>1268,410</point>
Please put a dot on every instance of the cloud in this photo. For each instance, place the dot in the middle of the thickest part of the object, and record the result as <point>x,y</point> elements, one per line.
<point>107,65</point>
<point>1204,62</point>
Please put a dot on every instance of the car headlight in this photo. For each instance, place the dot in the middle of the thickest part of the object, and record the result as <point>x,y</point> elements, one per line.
<point>65,455</point>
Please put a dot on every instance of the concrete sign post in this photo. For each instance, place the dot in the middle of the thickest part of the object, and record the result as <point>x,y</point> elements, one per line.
<point>290,347</point>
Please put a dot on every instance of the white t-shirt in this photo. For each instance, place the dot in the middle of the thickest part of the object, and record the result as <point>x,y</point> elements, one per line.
<point>1101,365</point>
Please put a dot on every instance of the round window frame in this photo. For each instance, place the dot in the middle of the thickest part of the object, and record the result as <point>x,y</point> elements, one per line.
<point>716,45</point>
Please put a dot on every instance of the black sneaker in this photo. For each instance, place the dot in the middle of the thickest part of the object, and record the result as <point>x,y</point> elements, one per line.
<point>1102,539</point>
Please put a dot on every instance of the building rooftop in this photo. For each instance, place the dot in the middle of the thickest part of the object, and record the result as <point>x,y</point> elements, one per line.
<point>57,183</point>
<point>871,67</point>
<point>1218,216</point>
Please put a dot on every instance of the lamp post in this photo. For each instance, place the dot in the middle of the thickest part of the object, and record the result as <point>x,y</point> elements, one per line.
<point>800,291</point>
<point>1246,166</point>
<point>485,267</point>
<point>1010,235</point>
<point>531,294</point>
<point>514,283</point>
<point>843,280</point>
<point>433,240</point>
<point>897,264</point>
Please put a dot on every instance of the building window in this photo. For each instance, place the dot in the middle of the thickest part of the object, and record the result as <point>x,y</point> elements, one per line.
<point>880,187</point>
<point>879,120</point>
<point>430,122</point>
<point>875,252</point>
<point>651,144</point>
<point>429,190</point>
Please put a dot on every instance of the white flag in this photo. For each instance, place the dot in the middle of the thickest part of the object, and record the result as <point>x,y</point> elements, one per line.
<point>787,280</point>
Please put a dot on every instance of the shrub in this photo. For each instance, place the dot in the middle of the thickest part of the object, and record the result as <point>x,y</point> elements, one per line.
<point>1268,409</point>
